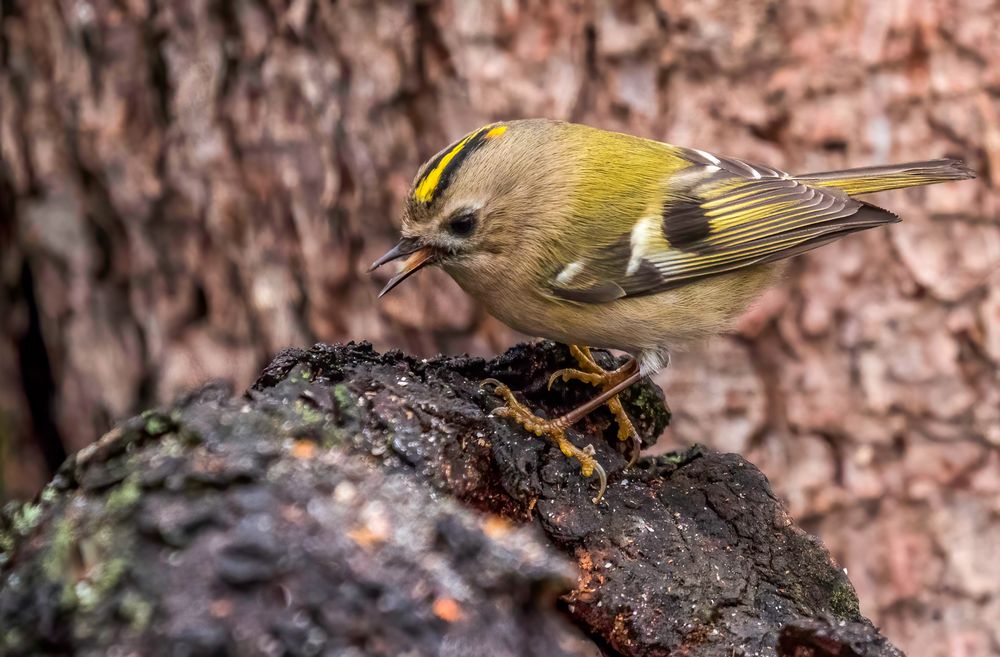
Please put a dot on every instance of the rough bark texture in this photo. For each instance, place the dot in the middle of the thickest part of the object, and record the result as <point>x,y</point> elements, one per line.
<point>187,187</point>
<point>322,514</point>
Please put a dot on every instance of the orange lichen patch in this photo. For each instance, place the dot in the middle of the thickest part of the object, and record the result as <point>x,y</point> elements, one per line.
<point>700,634</point>
<point>588,580</point>
<point>304,449</point>
<point>221,608</point>
<point>494,526</point>
<point>367,537</point>
<point>620,629</point>
<point>292,513</point>
<point>447,609</point>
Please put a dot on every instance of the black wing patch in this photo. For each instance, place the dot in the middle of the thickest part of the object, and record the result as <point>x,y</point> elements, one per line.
<point>684,222</point>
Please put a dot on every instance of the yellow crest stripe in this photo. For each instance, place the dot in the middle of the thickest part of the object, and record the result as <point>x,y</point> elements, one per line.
<point>496,132</point>
<point>429,183</point>
<point>425,190</point>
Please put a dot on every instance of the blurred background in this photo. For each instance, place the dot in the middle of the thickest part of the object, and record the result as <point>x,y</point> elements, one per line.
<point>189,186</point>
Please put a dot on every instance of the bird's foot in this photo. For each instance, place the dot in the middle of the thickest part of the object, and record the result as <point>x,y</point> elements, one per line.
<point>592,373</point>
<point>555,430</point>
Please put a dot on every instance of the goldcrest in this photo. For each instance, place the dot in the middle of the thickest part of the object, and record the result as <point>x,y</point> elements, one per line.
<point>601,239</point>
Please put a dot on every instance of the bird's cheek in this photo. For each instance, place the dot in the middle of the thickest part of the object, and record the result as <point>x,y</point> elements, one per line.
<point>469,273</point>
<point>455,268</point>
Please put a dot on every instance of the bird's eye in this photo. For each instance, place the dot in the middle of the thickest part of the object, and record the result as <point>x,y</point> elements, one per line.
<point>462,225</point>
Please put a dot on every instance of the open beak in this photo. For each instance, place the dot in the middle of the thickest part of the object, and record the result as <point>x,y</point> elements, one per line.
<point>419,256</point>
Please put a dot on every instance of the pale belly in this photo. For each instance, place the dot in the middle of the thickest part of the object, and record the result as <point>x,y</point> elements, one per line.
<point>644,326</point>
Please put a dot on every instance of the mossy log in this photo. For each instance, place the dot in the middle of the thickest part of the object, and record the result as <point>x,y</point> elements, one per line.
<point>356,503</point>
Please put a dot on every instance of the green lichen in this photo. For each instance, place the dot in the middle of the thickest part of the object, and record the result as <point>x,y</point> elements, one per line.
<point>55,563</point>
<point>308,413</point>
<point>675,458</point>
<point>124,497</point>
<point>156,423</point>
<point>49,494</point>
<point>172,446</point>
<point>347,414</point>
<point>105,577</point>
<point>156,426</point>
<point>105,557</point>
<point>27,518</point>
<point>85,596</point>
<point>844,601</point>
<point>136,610</point>
<point>12,640</point>
<point>6,547</point>
<point>19,521</point>
<point>646,403</point>
<point>342,395</point>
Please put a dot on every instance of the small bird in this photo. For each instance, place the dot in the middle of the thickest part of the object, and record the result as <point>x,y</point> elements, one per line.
<point>601,239</point>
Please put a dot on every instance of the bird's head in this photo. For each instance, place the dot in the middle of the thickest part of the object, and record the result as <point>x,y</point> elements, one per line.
<point>472,202</point>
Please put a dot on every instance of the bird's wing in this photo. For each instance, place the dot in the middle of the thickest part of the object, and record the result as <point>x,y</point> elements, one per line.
<point>717,215</point>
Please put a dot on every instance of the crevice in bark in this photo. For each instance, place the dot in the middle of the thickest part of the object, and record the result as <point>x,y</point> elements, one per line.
<point>36,377</point>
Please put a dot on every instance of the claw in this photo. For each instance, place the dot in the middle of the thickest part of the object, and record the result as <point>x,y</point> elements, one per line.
<point>636,448</point>
<point>589,466</point>
<point>552,379</point>
<point>603,480</point>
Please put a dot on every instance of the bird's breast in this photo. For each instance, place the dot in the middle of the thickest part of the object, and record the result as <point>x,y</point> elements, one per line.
<point>648,323</point>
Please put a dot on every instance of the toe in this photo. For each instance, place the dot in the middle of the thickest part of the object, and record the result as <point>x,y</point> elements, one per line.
<point>576,375</point>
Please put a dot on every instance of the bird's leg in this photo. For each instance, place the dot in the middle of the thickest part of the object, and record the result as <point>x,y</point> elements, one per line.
<point>592,373</point>
<point>556,429</point>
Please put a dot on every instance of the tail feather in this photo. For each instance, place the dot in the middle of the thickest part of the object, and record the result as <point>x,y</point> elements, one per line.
<point>866,180</point>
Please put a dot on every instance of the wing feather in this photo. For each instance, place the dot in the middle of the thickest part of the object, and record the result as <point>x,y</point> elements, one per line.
<point>722,215</point>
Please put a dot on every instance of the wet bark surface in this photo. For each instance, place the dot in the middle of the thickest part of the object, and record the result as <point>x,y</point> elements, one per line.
<point>357,503</point>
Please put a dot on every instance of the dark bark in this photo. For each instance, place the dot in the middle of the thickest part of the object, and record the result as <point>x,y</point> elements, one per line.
<point>370,502</point>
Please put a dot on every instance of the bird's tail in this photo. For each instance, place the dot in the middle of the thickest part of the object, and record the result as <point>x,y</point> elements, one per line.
<point>878,179</point>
